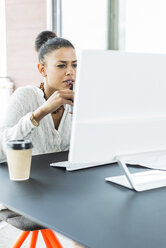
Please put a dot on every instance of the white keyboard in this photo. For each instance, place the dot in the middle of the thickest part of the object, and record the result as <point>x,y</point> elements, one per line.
<point>70,166</point>
<point>74,166</point>
<point>64,164</point>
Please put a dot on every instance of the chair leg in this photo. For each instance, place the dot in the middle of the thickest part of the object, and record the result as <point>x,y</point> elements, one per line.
<point>20,239</point>
<point>33,240</point>
<point>52,238</point>
<point>46,240</point>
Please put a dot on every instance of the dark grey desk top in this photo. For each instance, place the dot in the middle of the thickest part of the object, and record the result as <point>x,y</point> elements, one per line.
<point>82,206</point>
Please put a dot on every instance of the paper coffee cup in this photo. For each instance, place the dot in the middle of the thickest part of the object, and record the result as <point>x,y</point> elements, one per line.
<point>19,155</point>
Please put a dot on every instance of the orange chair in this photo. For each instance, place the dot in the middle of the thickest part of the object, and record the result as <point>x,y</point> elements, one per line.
<point>49,237</point>
<point>29,227</point>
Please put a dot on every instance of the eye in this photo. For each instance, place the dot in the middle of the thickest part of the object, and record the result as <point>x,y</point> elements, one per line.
<point>61,66</point>
<point>74,65</point>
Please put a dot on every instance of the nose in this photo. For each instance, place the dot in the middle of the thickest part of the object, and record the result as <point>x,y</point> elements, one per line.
<point>69,71</point>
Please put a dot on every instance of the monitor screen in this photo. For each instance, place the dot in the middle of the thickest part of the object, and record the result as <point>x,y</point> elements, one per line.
<point>120,106</point>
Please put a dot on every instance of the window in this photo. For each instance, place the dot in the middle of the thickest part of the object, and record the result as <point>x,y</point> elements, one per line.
<point>85,23</point>
<point>142,25</point>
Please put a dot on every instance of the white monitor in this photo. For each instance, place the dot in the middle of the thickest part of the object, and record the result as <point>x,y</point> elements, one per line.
<point>119,108</point>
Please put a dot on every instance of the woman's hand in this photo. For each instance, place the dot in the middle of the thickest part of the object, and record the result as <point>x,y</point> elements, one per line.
<point>57,99</point>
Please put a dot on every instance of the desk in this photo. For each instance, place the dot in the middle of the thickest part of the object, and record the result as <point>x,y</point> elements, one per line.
<point>83,207</point>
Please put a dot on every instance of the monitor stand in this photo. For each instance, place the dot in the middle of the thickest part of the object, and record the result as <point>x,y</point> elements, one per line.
<point>140,181</point>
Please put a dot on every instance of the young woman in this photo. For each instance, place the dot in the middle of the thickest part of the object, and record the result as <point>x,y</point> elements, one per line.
<point>43,115</point>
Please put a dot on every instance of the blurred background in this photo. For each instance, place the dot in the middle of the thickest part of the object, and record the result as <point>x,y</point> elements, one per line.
<point>127,25</point>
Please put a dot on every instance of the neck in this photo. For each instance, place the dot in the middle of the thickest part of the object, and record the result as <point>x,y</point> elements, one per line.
<point>48,91</point>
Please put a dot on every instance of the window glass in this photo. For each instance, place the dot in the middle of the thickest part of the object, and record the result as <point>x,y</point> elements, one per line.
<point>142,25</point>
<point>85,23</point>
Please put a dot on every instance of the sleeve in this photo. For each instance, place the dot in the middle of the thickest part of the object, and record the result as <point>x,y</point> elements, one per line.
<point>16,123</point>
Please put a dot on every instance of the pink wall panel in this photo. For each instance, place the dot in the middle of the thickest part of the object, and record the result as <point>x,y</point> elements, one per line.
<point>24,20</point>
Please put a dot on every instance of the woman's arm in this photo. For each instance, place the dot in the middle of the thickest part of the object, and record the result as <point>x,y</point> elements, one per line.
<point>22,130</point>
<point>16,123</point>
<point>57,99</point>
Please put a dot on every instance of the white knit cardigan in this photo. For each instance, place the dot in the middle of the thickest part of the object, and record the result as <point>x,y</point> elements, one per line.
<point>17,125</point>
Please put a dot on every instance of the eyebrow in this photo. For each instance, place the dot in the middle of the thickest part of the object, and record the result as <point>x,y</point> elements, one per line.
<point>63,61</point>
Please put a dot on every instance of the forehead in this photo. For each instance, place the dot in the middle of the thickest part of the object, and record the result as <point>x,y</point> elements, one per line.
<point>63,53</point>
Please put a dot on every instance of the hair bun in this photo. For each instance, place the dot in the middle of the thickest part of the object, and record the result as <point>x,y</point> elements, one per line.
<point>42,37</point>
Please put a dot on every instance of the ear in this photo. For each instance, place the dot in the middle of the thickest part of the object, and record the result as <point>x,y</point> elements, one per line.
<point>42,69</point>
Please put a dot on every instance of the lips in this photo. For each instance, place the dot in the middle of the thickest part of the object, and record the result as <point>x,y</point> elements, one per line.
<point>68,82</point>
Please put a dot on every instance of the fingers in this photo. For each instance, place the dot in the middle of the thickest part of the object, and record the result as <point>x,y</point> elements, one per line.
<point>59,98</point>
<point>68,102</point>
<point>65,94</point>
<point>69,97</point>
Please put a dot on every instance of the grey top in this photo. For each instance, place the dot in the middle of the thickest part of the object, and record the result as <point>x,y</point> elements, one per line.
<point>17,125</point>
<point>86,208</point>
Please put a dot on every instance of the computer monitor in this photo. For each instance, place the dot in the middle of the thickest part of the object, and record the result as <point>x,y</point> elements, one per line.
<point>119,108</point>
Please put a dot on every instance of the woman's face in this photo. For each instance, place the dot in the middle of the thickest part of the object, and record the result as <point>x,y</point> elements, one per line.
<point>60,68</point>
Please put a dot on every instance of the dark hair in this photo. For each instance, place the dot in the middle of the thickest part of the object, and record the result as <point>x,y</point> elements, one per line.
<point>42,37</point>
<point>51,45</point>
